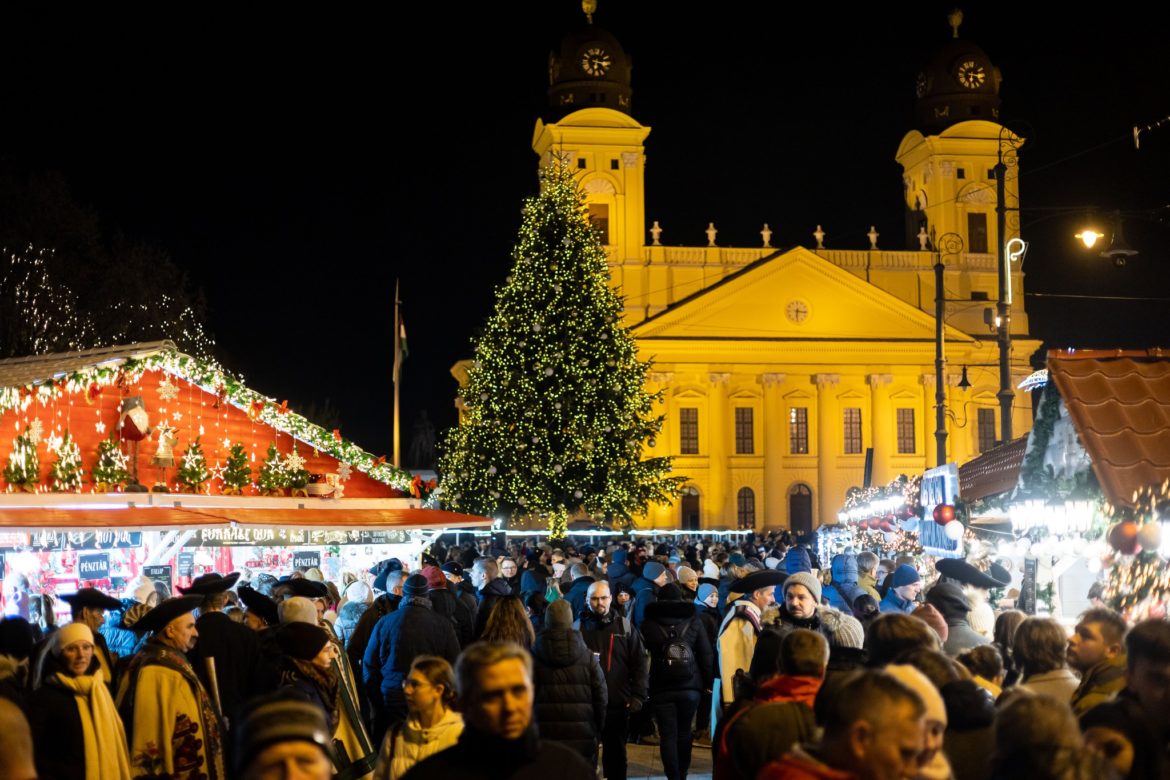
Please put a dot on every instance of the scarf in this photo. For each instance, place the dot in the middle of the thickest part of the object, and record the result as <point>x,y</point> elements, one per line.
<point>106,756</point>
<point>328,685</point>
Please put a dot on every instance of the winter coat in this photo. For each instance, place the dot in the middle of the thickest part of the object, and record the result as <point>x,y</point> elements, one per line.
<point>709,617</point>
<point>892,603</point>
<point>412,630</point>
<point>618,571</point>
<point>56,728</point>
<point>448,606</point>
<point>347,619</point>
<point>480,756</point>
<point>961,637</point>
<point>514,583</point>
<point>645,594</point>
<point>570,691</point>
<point>465,593</point>
<point>577,595</point>
<point>238,663</point>
<point>120,639</point>
<point>868,584</point>
<point>488,597</point>
<point>1099,684</point>
<point>408,743</point>
<point>621,653</point>
<point>760,732</point>
<point>359,640</point>
<point>13,680</point>
<point>844,588</point>
<point>801,764</point>
<point>1058,683</point>
<point>661,617</point>
<point>533,581</point>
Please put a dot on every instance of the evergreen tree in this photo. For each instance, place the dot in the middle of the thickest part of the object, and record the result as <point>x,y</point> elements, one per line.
<point>237,475</point>
<point>557,412</point>
<point>110,469</point>
<point>193,470</point>
<point>24,467</point>
<point>66,470</point>
<point>273,477</point>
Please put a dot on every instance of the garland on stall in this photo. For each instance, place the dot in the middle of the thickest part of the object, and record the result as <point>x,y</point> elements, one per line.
<point>211,378</point>
<point>1037,480</point>
<point>1139,579</point>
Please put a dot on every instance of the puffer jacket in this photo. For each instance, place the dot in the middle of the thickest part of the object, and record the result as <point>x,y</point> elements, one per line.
<point>570,691</point>
<point>412,630</point>
<point>661,618</point>
<point>409,743</point>
<point>447,605</point>
<point>618,571</point>
<point>645,594</point>
<point>619,649</point>
<point>844,589</point>
<point>347,619</point>
<point>120,639</point>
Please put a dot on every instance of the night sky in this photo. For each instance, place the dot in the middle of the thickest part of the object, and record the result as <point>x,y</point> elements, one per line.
<point>297,163</point>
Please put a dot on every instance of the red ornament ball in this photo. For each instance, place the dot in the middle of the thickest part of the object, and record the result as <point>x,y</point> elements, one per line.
<point>886,526</point>
<point>1123,537</point>
<point>944,513</point>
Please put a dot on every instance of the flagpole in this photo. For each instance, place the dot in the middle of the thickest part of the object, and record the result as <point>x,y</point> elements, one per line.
<point>397,374</point>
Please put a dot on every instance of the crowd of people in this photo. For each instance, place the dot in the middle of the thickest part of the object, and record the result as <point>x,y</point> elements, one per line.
<point>548,661</point>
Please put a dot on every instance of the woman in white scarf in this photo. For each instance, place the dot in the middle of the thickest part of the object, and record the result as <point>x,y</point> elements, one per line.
<point>75,726</point>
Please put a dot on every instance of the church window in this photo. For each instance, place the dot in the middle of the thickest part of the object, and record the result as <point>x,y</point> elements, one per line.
<point>745,508</point>
<point>906,442</point>
<point>987,429</point>
<point>688,431</point>
<point>744,433</point>
<point>852,431</point>
<point>977,232</point>
<point>798,430</point>
<point>599,218</point>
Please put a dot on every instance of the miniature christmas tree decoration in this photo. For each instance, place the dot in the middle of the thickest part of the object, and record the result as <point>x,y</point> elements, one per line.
<point>237,475</point>
<point>66,471</point>
<point>23,469</point>
<point>193,471</point>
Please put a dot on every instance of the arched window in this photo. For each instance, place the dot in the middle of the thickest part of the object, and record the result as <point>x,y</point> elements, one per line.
<point>745,507</point>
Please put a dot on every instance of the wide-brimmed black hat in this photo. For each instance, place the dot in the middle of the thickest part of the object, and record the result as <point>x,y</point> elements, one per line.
<point>257,602</point>
<point>310,589</point>
<point>765,578</point>
<point>212,582</point>
<point>157,618</point>
<point>92,597</point>
<point>961,571</point>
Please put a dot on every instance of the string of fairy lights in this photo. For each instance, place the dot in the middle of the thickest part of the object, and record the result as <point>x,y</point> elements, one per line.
<point>557,413</point>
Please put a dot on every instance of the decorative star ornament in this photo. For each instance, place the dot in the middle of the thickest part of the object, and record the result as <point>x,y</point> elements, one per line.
<point>344,471</point>
<point>120,459</point>
<point>36,429</point>
<point>100,426</point>
<point>191,459</point>
<point>53,442</point>
<point>217,470</point>
<point>294,462</point>
<point>227,444</point>
<point>167,390</point>
<point>177,416</point>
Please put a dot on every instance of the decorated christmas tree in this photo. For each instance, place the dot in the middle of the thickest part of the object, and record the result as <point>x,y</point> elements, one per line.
<point>273,477</point>
<point>110,470</point>
<point>193,470</point>
<point>24,467</point>
<point>295,471</point>
<point>557,413</point>
<point>237,475</point>
<point>66,470</point>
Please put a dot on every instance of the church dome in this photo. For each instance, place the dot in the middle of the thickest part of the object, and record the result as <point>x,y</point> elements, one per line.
<point>959,84</point>
<point>591,70</point>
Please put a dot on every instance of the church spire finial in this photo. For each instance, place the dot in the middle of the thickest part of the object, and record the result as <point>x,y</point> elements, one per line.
<point>955,18</point>
<point>590,8</point>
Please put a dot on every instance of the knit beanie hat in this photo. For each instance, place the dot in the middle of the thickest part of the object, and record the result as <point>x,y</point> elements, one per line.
<point>918,682</point>
<point>710,570</point>
<point>653,570</point>
<point>435,578</point>
<point>359,592</point>
<point>933,618</point>
<point>845,629</point>
<point>670,592</point>
<point>70,633</point>
<point>301,640</point>
<point>687,574</point>
<point>705,591</point>
<point>904,575</point>
<point>558,615</point>
<point>807,580</point>
<point>415,585</point>
<point>298,609</point>
<point>737,559</point>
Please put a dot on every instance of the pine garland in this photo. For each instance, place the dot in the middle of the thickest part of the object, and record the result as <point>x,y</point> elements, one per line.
<point>193,472</point>
<point>66,471</point>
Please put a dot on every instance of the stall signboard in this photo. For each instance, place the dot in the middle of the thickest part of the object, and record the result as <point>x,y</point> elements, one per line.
<point>939,486</point>
<point>1027,600</point>
<point>186,564</point>
<point>288,537</point>
<point>93,567</point>
<point>309,559</point>
<point>58,541</point>
<point>160,573</point>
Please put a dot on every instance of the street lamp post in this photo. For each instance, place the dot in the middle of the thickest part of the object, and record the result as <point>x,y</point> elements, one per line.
<point>948,244</point>
<point>1005,395</point>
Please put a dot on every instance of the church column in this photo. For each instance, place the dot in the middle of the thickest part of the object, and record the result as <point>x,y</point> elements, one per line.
<point>883,426</point>
<point>718,437</point>
<point>662,515</point>
<point>774,426</point>
<point>827,502</point>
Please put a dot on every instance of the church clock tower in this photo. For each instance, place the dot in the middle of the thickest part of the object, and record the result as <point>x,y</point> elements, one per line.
<point>589,127</point>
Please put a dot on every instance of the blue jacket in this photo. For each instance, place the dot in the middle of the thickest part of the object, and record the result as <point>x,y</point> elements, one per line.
<point>618,572</point>
<point>121,641</point>
<point>891,603</point>
<point>577,595</point>
<point>645,594</point>
<point>844,588</point>
<point>412,630</point>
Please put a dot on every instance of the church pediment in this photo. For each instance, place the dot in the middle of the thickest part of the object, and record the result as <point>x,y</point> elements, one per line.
<point>795,296</point>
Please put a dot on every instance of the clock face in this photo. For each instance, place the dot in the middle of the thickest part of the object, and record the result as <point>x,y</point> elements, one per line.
<point>596,61</point>
<point>971,74</point>
<point>797,311</point>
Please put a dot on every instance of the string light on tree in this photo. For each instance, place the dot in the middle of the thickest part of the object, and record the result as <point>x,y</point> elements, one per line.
<point>66,471</point>
<point>237,475</point>
<point>110,471</point>
<point>23,469</point>
<point>193,473</point>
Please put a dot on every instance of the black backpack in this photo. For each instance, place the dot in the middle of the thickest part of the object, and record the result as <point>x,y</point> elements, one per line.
<point>678,659</point>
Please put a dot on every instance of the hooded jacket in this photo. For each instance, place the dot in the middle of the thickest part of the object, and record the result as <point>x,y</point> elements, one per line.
<point>661,618</point>
<point>618,572</point>
<point>844,588</point>
<point>408,743</point>
<point>121,640</point>
<point>347,619</point>
<point>621,653</point>
<point>577,593</point>
<point>359,639</point>
<point>571,692</point>
<point>645,594</point>
<point>489,596</point>
<point>412,630</point>
<point>447,605</point>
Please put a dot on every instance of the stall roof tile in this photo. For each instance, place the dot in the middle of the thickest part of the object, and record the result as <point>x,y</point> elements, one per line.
<point>24,371</point>
<point>995,471</point>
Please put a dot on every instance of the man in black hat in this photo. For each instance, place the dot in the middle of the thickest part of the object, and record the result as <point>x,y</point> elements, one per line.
<point>89,606</point>
<point>163,703</point>
<point>232,647</point>
<point>412,630</point>
<point>741,628</point>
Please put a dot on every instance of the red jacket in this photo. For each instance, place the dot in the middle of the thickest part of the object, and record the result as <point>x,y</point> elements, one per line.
<point>788,687</point>
<point>799,765</point>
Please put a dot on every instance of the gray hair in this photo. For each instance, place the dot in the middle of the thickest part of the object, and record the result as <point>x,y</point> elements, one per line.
<point>489,567</point>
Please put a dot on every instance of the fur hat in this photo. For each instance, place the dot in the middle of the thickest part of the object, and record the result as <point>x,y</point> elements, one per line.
<point>807,580</point>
